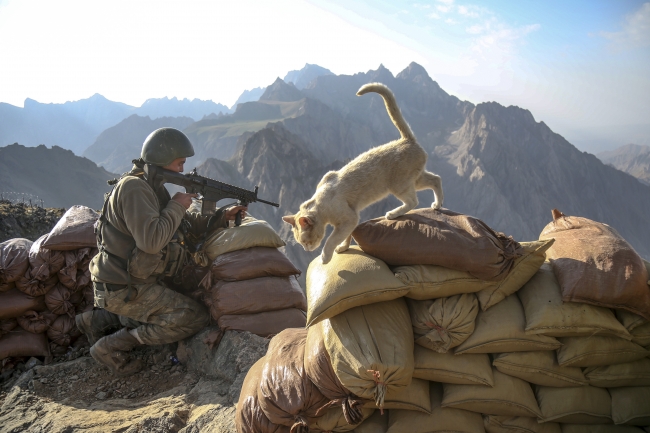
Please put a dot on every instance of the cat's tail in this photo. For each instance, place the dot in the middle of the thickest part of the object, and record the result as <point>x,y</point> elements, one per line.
<point>391,106</point>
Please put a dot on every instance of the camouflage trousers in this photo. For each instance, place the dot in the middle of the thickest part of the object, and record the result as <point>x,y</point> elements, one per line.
<point>159,314</point>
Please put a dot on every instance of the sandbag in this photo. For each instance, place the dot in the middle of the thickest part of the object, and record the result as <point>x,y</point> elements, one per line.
<point>333,420</point>
<point>636,373</point>
<point>595,265</point>
<point>377,423</point>
<point>540,368</point>
<point>630,320</point>
<point>598,350</point>
<point>509,396</point>
<point>61,300</point>
<point>631,405</point>
<point>371,349</point>
<point>36,322</point>
<point>35,287</point>
<point>7,325</point>
<point>14,259</point>
<point>576,405</point>
<point>15,303</point>
<point>547,314</point>
<point>264,324</point>
<point>74,230</point>
<point>286,395</point>
<point>250,263</point>
<point>439,237</point>
<point>319,370</point>
<point>414,397</point>
<point>351,279</point>
<point>469,369</point>
<point>75,274</point>
<point>432,282</point>
<point>256,296</point>
<point>501,329</point>
<point>19,342</point>
<point>5,287</point>
<point>517,424</point>
<point>599,428</point>
<point>249,417</point>
<point>62,331</point>
<point>641,335</point>
<point>44,263</point>
<point>439,420</point>
<point>444,323</point>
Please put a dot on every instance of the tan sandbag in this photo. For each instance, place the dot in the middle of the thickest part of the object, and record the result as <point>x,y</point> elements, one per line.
<point>319,370</point>
<point>61,300</point>
<point>35,287</point>
<point>577,405</point>
<point>5,287</point>
<point>36,322</point>
<point>547,314</point>
<point>599,428</point>
<point>414,397</point>
<point>62,330</point>
<point>249,417</point>
<point>444,323</point>
<point>636,373</point>
<point>630,320</point>
<point>286,395</point>
<point>256,296</point>
<point>14,259</point>
<point>631,405</point>
<point>250,263</point>
<point>7,325</point>
<point>75,274</point>
<point>598,350</point>
<point>501,329</point>
<point>469,369</point>
<point>595,265</point>
<point>251,233</point>
<point>15,303</point>
<point>351,279</point>
<point>377,423</point>
<point>19,342</point>
<point>44,263</point>
<point>509,396</point>
<point>540,368</point>
<point>264,324</point>
<point>439,237</point>
<point>641,335</point>
<point>439,420</point>
<point>371,349</point>
<point>333,420</point>
<point>517,424</point>
<point>74,230</point>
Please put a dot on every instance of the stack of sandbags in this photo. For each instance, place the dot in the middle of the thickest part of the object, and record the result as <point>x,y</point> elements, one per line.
<point>251,286</point>
<point>44,285</point>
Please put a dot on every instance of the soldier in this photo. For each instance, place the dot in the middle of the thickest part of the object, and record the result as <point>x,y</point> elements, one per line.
<point>139,244</point>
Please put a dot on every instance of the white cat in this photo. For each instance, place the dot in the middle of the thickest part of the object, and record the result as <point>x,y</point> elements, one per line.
<point>393,168</point>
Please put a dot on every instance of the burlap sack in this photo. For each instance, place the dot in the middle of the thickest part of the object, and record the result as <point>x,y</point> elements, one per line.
<point>250,263</point>
<point>61,300</point>
<point>540,368</point>
<point>264,324</point>
<point>597,351</point>
<point>444,323</point>
<point>319,370</point>
<point>547,314</point>
<point>62,330</point>
<point>14,259</point>
<point>576,405</point>
<point>249,417</point>
<point>256,296</point>
<point>75,274</point>
<point>509,396</point>
<point>286,395</point>
<point>599,428</point>
<point>15,303</point>
<point>470,369</point>
<point>641,335</point>
<point>371,349</point>
<point>44,263</point>
<point>636,373</point>
<point>414,397</point>
<point>7,325</point>
<point>5,287</point>
<point>377,423</point>
<point>630,320</point>
<point>439,420</point>
<point>432,282</point>
<point>35,287</point>
<point>251,233</point>
<point>351,279</point>
<point>517,424</point>
<point>501,329</point>
<point>74,230</point>
<point>19,342</point>
<point>631,405</point>
<point>439,237</point>
<point>595,265</point>
<point>35,322</point>
<point>332,420</point>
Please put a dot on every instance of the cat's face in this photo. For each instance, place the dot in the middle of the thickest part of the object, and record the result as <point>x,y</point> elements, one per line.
<point>307,232</point>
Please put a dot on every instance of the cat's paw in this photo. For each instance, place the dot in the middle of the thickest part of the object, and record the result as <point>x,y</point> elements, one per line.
<point>393,214</point>
<point>341,248</point>
<point>436,205</point>
<point>325,257</point>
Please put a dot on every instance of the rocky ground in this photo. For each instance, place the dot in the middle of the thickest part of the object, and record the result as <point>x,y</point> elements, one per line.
<point>187,387</point>
<point>22,220</point>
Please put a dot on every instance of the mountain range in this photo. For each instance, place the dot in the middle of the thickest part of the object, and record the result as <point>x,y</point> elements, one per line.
<point>633,159</point>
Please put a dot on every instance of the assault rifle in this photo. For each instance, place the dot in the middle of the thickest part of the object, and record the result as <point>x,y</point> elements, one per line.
<point>211,190</point>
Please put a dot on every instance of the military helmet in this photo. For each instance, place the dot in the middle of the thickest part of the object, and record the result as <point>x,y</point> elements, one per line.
<point>164,145</point>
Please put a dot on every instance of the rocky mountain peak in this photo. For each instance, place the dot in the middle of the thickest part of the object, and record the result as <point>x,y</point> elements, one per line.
<point>281,91</point>
<point>381,75</point>
<point>306,75</point>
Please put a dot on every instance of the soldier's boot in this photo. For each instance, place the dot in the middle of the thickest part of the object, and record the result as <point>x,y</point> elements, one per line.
<point>95,324</point>
<point>112,351</point>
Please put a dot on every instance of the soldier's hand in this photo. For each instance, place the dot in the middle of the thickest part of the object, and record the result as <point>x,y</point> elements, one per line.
<point>231,212</point>
<point>184,199</point>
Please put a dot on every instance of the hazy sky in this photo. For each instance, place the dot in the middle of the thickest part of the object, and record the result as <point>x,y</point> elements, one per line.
<point>575,64</point>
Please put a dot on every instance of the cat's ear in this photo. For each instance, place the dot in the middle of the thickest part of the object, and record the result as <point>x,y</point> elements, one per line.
<point>291,219</point>
<point>305,222</point>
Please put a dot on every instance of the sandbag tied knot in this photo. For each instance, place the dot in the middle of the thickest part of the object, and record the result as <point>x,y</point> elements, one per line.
<point>380,390</point>
<point>352,410</point>
<point>301,425</point>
